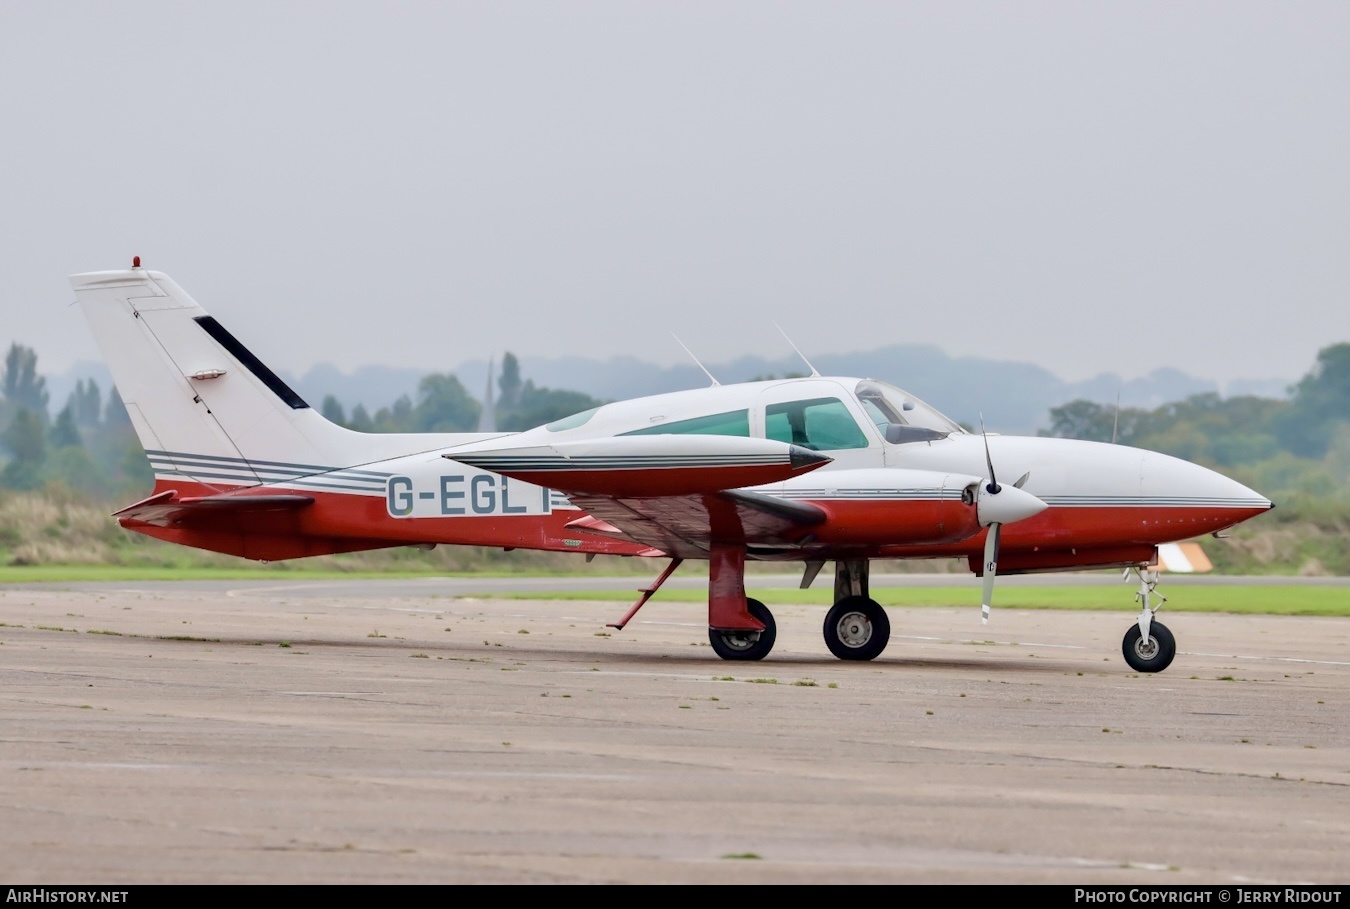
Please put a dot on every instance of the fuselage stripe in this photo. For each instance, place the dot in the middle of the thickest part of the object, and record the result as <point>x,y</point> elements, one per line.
<point>224,462</point>
<point>253,481</point>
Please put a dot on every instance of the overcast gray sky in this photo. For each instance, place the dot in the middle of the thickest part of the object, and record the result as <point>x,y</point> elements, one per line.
<point>1094,187</point>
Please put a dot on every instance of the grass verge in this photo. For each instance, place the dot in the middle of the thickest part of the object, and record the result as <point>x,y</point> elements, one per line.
<point>1253,600</point>
<point>1256,600</point>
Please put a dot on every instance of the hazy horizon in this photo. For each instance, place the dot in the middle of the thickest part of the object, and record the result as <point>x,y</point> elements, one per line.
<point>1090,188</point>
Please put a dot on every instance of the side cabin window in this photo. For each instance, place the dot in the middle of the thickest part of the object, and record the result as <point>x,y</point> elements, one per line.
<point>735,423</point>
<point>821,424</point>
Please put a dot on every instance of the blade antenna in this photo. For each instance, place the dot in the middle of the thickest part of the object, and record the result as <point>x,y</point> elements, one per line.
<point>1115,427</point>
<point>814,373</point>
<point>695,359</point>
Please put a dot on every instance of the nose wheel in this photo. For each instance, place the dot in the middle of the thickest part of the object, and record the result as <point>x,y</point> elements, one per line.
<point>856,628</point>
<point>1149,654</point>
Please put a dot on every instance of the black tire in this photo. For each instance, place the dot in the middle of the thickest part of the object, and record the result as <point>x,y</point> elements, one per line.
<point>1153,655</point>
<point>746,645</point>
<point>857,628</point>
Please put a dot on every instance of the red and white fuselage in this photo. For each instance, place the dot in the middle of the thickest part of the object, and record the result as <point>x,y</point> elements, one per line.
<point>882,474</point>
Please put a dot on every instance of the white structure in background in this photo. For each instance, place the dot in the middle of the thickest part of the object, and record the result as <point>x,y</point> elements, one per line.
<point>487,420</point>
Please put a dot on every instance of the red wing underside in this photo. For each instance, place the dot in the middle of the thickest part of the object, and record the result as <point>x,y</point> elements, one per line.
<point>688,526</point>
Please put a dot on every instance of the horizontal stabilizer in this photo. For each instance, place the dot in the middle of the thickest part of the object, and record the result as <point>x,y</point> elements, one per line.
<point>167,508</point>
<point>649,466</point>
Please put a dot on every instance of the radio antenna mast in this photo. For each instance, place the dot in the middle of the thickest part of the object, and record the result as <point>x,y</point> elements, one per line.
<point>695,359</point>
<point>814,373</point>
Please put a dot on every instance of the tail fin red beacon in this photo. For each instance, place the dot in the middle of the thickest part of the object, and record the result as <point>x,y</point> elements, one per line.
<point>204,407</point>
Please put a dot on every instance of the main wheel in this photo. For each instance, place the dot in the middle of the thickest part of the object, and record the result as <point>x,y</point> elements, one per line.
<point>856,628</point>
<point>1152,655</point>
<point>746,645</point>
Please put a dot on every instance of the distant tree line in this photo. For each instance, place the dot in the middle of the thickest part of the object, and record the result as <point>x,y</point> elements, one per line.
<point>89,447</point>
<point>443,405</point>
<point>1295,449</point>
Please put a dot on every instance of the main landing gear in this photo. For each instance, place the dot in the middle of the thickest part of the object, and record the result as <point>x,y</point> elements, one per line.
<point>734,644</point>
<point>740,628</point>
<point>1148,645</point>
<point>856,627</point>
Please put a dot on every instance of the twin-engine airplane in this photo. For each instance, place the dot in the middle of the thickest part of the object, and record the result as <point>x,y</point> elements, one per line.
<point>809,470</point>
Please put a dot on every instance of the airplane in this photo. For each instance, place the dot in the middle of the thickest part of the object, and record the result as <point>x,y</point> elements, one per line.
<point>813,470</point>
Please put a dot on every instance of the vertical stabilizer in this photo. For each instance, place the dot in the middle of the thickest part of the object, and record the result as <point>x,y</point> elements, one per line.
<point>205,408</point>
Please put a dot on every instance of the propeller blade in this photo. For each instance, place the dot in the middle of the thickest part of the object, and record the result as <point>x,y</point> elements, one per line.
<point>1022,480</point>
<point>990,570</point>
<point>988,459</point>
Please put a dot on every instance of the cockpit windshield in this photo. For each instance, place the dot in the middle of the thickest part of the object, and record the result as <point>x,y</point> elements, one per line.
<point>900,416</point>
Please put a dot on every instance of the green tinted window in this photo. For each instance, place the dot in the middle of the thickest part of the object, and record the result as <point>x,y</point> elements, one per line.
<point>736,423</point>
<point>572,422</point>
<point>822,424</point>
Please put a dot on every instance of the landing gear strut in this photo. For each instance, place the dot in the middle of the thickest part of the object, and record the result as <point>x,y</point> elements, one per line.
<point>856,627</point>
<point>1148,645</point>
<point>739,628</point>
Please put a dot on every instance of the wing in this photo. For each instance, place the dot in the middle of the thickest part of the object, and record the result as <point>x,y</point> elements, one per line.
<point>676,494</point>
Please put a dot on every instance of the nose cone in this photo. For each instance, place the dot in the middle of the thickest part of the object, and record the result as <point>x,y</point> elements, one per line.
<point>1174,481</point>
<point>1194,499</point>
<point>1007,505</point>
<point>804,458</point>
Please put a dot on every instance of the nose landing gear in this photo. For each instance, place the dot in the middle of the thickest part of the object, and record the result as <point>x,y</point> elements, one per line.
<point>1148,645</point>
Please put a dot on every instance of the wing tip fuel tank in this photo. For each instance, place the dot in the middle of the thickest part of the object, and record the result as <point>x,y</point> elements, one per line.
<point>649,466</point>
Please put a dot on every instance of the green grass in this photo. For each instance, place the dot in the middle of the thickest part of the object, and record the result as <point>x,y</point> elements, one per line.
<point>1262,600</point>
<point>1255,600</point>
